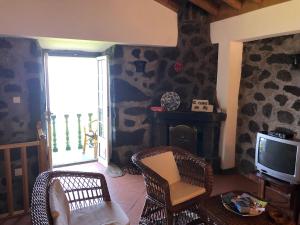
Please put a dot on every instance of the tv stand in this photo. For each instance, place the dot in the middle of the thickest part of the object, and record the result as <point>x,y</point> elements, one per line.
<point>280,189</point>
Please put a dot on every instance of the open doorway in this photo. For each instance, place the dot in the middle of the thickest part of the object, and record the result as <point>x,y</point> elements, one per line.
<point>77,95</point>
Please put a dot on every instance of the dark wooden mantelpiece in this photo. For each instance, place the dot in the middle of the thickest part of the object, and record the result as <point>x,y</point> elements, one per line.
<point>197,132</point>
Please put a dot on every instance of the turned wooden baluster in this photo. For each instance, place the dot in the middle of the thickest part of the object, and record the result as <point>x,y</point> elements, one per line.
<point>54,147</point>
<point>68,147</point>
<point>79,131</point>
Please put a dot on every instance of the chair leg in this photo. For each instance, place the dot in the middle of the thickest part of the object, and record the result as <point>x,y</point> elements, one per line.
<point>169,218</point>
<point>95,147</point>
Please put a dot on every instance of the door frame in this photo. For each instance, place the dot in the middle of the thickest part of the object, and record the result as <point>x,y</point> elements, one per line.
<point>106,161</point>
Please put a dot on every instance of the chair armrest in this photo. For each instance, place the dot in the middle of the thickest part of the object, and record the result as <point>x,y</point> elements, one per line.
<point>195,170</point>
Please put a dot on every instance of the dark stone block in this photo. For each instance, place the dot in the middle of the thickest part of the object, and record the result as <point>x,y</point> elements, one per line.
<point>265,127</point>
<point>253,126</point>
<point>122,91</point>
<point>172,72</point>
<point>150,55</point>
<point>264,75</point>
<point>35,49</point>
<point>284,75</point>
<point>32,67</point>
<point>6,73</point>
<point>129,123</point>
<point>285,130</point>
<point>259,96</point>
<point>239,149</point>
<point>3,115</point>
<point>267,110</point>
<point>271,85</point>
<point>292,89</point>
<point>162,68</point>
<point>280,58</point>
<point>248,85</point>
<point>189,28</point>
<point>285,117</point>
<point>255,57</point>
<point>246,166</point>
<point>139,66</point>
<point>136,53</point>
<point>118,52</point>
<point>251,152</point>
<point>282,99</point>
<point>195,91</point>
<point>129,73</point>
<point>149,74</point>
<point>196,41</point>
<point>171,53</point>
<point>249,109</point>
<point>116,69</point>
<point>129,138</point>
<point>135,111</point>
<point>296,105</point>
<point>190,57</point>
<point>182,80</point>
<point>266,48</point>
<point>245,138</point>
<point>182,92</point>
<point>34,101</point>
<point>247,70</point>
<point>3,105</point>
<point>5,44</point>
<point>12,88</point>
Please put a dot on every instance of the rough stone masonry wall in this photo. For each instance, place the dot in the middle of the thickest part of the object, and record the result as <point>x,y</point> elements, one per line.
<point>140,75</point>
<point>269,94</point>
<point>20,74</point>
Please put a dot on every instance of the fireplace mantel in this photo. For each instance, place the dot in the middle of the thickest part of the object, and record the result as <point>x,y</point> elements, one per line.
<point>197,132</point>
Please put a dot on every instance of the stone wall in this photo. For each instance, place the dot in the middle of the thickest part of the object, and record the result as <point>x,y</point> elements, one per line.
<point>20,76</point>
<point>140,75</point>
<point>269,94</point>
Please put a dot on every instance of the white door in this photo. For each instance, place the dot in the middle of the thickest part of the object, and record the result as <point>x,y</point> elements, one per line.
<point>104,134</point>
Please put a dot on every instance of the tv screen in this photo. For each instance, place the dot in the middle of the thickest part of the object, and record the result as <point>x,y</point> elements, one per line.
<point>278,156</point>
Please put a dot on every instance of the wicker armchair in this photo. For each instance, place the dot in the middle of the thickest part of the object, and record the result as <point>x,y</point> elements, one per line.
<point>82,190</point>
<point>159,208</point>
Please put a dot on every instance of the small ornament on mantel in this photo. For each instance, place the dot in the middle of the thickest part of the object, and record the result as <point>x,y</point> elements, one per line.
<point>201,106</point>
<point>178,66</point>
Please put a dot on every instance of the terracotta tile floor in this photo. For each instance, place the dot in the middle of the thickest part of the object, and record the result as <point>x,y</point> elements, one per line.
<point>129,191</point>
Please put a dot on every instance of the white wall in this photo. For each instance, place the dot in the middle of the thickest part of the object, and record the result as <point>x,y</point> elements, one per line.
<point>230,33</point>
<point>139,22</point>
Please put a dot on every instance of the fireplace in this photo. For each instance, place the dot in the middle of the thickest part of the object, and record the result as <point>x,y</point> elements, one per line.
<point>197,132</point>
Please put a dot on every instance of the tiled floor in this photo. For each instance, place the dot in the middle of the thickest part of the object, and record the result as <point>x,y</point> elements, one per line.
<point>129,191</point>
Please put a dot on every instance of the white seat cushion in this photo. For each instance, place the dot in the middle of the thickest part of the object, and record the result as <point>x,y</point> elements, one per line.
<point>59,205</point>
<point>165,165</point>
<point>181,192</point>
<point>106,213</point>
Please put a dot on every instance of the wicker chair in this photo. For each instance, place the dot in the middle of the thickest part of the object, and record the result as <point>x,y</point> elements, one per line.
<point>82,190</point>
<point>158,207</point>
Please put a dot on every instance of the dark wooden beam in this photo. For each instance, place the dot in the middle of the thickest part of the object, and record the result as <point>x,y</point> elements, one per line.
<point>257,1</point>
<point>169,4</point>
<point>236,4</point>
<point>206,5</point>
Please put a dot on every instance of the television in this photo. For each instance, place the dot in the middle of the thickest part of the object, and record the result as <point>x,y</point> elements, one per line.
<point>279,158</point>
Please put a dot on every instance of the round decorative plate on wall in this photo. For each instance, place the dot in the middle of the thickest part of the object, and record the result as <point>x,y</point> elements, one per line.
<point>170,101</point>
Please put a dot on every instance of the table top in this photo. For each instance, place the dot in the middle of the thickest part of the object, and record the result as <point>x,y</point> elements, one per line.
<point>218,215</point>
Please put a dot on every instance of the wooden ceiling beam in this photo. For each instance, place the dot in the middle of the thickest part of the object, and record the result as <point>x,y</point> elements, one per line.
<point>169,4</point>
<point>236,4</point>
<point>257,1</point>
<point>206,5</point>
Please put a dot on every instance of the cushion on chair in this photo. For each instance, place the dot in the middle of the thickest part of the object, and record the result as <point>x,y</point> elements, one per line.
<point>59,205</point>
<point>164,164</point>
<point>181,192</point>
<point>106,213</point>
